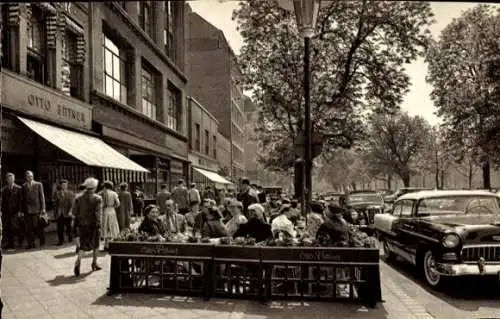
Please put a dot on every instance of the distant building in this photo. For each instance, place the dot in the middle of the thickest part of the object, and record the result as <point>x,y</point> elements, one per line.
<point>252,166</point>
<point>213,76</point>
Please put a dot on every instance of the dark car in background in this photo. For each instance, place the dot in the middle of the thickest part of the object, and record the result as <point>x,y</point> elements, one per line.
<point>444,234</point>
<point>368,203</point>
<point>334,197</point>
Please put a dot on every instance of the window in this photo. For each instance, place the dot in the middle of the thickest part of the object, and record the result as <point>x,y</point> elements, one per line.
<point>396,210</point>
<point>406,208</point>
<point>214,143</point>
<point>114,72</point>
<point>149,105</point>
<point>71,72</point>
<point>174,108</point>
<point>207,142</point>
<point>197,137</point>
<point>168,32</point>
<point>145,14</point>
<point>5,34</point>
<point>36,46</point>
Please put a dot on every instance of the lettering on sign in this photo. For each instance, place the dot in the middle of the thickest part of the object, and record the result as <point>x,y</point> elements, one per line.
<point>319,256</point>
<point>61,110</point>
<point>159,250</point>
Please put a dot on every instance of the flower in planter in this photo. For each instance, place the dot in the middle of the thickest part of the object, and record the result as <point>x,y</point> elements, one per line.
<point>239,241</point>
<point>250,241</point>
<point>225,240</point>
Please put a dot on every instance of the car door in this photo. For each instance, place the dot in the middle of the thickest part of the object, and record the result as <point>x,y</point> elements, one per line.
<point>405,229</point>
<point>396,241</point>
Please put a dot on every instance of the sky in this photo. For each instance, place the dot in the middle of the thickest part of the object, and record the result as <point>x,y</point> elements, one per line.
<point>417,101</point>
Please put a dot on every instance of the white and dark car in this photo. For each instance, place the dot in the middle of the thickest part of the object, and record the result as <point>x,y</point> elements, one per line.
<point>444,233</point>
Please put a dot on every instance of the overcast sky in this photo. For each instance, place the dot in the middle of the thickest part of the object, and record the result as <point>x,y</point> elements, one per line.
<point>416,102</point>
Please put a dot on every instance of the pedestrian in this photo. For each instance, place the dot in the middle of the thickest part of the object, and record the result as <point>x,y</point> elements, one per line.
<point>33,209</point>
<point>194,198</point>
<point>81,191</point>
<point>247,196</point>
<point>11,211</point>
<point>110,202</point>
<point>126,209</point>
<point>162,197</point>
<point>208,194</point>
<point>87,211</point>
<point>138,199</point>
<point>62,211</point>
<point>180,197</point>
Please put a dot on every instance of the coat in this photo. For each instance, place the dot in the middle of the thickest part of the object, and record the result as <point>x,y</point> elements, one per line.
<point>161,201</point>
<point>87,209</point>
<point>125,210</point>
<point>152,227</point>
<point>255,228</point>
<point>33,198</point>
<point>180,197</point>
<point>247,198</point>
<point>214,229</point>
<point>12,200</point>
<point>63,203</point>
<point>180,223</point>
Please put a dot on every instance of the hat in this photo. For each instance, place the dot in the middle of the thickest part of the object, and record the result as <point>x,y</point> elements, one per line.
<point>90,183</point>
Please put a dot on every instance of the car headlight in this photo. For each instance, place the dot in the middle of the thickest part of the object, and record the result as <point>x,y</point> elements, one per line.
<point>451,241</point>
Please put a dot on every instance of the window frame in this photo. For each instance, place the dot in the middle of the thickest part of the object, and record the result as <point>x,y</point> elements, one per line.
<point>76,80</point>
<point>404,204</point>
<point>146,13</point>
<point>148,76</point>
<point>122,80</point>
<point>39,55</point>
<point>207,142</point>
<point>174,108</point>
<point>168,31</point>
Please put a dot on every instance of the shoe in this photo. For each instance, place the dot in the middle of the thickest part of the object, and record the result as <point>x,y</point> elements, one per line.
<point>95,267</point>
<point>76,270</point>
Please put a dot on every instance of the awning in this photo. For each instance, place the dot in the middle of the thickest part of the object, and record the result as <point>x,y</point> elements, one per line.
<point>214,177</point>
<point>87,149</point>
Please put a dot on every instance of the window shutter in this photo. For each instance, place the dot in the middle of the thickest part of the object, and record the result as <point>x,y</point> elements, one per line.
<point>52,24</point>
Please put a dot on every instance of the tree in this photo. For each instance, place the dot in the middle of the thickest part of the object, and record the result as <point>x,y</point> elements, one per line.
<point>464,66</point>
<point>357,61</point>
<point>398,143</point>
<point>439,156</point>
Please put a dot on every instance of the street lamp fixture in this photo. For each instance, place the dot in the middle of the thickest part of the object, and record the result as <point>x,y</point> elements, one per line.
<point>306,13</point>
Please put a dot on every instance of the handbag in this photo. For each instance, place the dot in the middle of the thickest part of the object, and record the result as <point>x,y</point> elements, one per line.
<point>43,220</point>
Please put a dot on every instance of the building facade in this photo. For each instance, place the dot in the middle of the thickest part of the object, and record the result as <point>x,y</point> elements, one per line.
<point>213,81</point>
<point>253,171</point>
<point>138,85</point>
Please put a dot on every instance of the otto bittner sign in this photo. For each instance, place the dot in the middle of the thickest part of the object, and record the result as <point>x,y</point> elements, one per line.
<point>33,98</point>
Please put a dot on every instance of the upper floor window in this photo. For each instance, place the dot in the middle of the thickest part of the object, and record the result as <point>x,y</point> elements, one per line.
<point>207,142</point>
<point>214,143</point>
<point>145,17</point>
<point>71,73</point>
<point>174,108</point>
<point>114,71</point>
<point>36,34</point>
<point>168,32</point>
<point>197,137</point>
<point>149,100</point>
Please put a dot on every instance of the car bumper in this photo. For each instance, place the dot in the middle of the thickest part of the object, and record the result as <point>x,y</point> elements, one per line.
<point>467,269</point>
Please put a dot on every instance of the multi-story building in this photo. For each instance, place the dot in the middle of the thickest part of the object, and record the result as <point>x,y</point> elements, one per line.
<point>203,130</point>
<point>79,77</point>
<point>253,171</point>
<point>213,80</point>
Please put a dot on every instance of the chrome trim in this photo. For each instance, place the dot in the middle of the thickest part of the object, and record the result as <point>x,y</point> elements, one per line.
<point>481,245</point>
<point>420,235</point>
<point>490,253</point>
<point>455,270</point>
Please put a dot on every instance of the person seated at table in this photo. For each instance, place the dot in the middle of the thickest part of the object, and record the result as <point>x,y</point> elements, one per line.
<point>152,224</point>
<point>237,218</point>
<point>282,224</point>
<point>173,221</point>
<point>256,227</point>
<point>213,227</point>
<point>334,231</point>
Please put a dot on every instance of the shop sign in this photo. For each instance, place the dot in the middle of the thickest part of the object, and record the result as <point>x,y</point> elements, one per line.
<point>29,97</point>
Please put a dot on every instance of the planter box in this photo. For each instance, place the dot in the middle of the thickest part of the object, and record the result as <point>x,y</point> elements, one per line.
<point>314,254</point>
<point>161,249</point>
<point>242,253</point>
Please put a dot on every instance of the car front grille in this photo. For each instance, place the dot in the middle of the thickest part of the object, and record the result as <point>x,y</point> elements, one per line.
<point>489,253</point>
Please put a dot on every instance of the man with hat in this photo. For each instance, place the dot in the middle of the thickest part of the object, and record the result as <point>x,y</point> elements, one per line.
<point>87,210</point>
<point>334,230</point>
<point>247,196</point>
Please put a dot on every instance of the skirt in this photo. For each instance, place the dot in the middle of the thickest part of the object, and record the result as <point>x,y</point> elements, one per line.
<point>110,227</point>
<point>89,237</point>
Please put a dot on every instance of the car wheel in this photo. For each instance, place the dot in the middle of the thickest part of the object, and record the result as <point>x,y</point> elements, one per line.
<point>432,277</point>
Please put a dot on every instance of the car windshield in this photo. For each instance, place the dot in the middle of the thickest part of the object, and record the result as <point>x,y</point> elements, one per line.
<point>459,205</point>
<point>365,198</point>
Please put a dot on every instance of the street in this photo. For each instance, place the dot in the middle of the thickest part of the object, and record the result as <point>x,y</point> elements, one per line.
<point>39,284</point>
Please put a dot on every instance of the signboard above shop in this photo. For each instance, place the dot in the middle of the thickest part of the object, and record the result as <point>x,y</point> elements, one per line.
<point>29,97</point>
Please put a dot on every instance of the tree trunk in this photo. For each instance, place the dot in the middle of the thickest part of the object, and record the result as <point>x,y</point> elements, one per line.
<point>486,174</point>
<point>442,179</point>
<point>471,173</point>
<point>389,181</point>
<point>436,178</point>
<point>353,186</point>
<point>405,177</point>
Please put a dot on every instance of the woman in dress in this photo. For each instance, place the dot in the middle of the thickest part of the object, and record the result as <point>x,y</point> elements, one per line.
<point>110,202</point>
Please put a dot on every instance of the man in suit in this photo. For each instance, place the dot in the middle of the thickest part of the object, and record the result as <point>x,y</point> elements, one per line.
<point>63,202</point>
<point>11,209</point>
<point>174,222</point>
<point>33,208</point>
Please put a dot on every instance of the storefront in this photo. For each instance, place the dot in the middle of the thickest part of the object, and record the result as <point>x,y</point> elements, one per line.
<point>50,133</point>
<point>204,178</point>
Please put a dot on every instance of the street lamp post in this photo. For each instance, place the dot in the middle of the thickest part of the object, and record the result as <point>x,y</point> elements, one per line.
<point>306,13</point>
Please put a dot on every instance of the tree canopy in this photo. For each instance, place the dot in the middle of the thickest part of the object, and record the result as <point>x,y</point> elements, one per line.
<point>464,70</point>
<point>398,143</point>
<point>357,63</point>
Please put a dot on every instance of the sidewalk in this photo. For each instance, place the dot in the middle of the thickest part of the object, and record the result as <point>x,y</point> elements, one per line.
<point>39,284</point>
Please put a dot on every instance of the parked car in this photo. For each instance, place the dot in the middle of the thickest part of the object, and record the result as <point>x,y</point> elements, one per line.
<point>389,199</point>
<point>444,233</point>
<point>334,197</point>
<point>367,203</point>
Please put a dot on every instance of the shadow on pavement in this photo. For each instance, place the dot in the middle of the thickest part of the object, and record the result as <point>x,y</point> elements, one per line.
<point>480,292</point>
<point>68,280</point>
<point>272,309</point>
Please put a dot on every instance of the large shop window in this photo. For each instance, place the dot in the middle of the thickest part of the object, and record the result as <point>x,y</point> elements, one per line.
<point>36,34</point>
<point>174,108</point>
<point>145,17</point>
<point>71,73</point>
<point>114,71</point>
<point>197,137</point>
<point>149,99</point>
<point>168,32</point>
